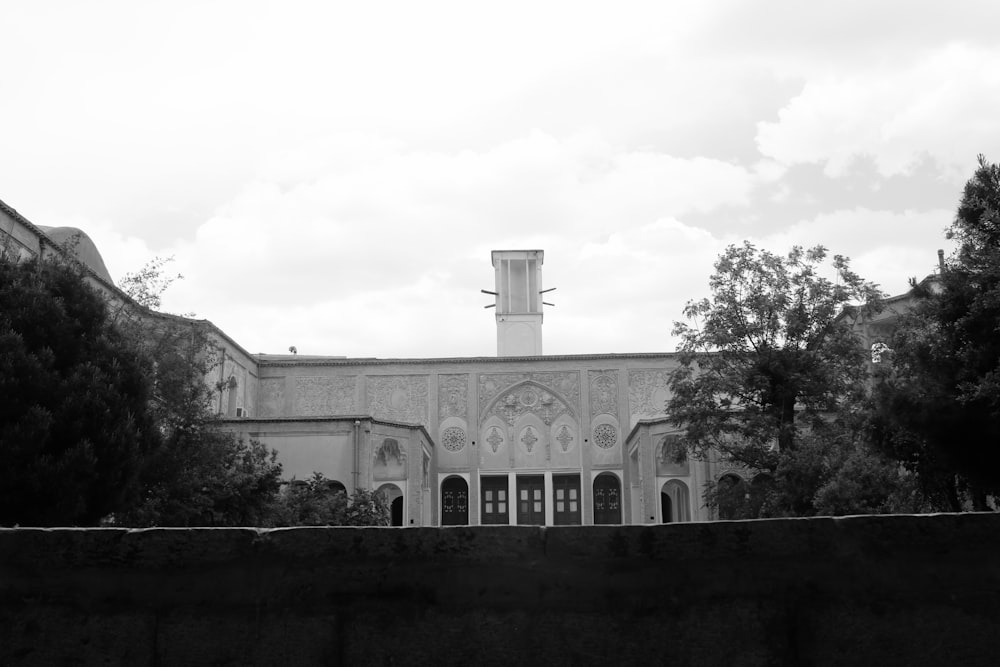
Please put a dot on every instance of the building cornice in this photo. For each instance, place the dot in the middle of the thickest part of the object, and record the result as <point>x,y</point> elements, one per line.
<point>316,419</point>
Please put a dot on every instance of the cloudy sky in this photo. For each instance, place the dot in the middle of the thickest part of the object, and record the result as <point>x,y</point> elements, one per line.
<point>333,175</point>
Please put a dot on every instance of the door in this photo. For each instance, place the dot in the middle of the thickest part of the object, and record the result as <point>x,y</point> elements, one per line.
<point>566,500</point>
<point>454,502</point>
<point>607,499</point>
<point>531,500</point>
<point>495,508</point>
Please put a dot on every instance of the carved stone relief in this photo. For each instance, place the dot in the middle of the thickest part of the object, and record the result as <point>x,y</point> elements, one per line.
<point>527,398</point>
<point>316,395</point>
<point>603,393</point>
<point>528,438</point>
<point>495,438</point>
<point>564,384</point>
<point>605,436</point>
<point>453,396</point>
<point>388,450</point>
<point>272,397</point>
<point>453,438</point>
<point>398,397</point>
<point>565,438</point>
<point>648,392</point>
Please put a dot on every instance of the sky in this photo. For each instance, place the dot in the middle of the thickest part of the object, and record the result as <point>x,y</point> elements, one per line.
<point>333,175</point>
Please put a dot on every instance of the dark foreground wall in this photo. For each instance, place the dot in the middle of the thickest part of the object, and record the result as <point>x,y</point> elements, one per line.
<point>914,590</point>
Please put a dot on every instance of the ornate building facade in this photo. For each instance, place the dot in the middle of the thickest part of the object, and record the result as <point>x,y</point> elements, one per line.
<point>521,438</point>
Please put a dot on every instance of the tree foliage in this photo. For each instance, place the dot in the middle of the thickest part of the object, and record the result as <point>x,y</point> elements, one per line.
<point>319,502</point>
<point>772,376</point>
<point>74,422</point>
<point>938,408</point>
<point>201,474</point>
<point>767,352</point>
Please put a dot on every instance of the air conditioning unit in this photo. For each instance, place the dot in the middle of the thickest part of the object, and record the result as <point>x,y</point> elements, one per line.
<point>242,412</point>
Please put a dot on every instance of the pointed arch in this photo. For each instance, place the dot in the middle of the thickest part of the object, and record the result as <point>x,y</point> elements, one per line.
<point>527,396</point>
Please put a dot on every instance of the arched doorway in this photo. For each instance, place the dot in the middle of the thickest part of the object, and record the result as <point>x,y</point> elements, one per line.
<point>454,502</point>
<point>607,499</point>
<point>675,504</point>
<point>394,497</point>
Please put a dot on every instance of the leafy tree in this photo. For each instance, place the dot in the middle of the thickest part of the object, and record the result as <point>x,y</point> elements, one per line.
<point>74,424</point>
<point>202,474</point>
<point>318,502</point>
<point>938,405</point>
<point>771,374</point>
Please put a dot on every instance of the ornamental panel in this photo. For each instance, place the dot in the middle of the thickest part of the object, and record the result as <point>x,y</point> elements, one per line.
<point>605,436</point>
<point>648,391</point>
<point>563,384</point>
<point>603,393</point>
<point>323,395</point>
<point>398,397</point>
<point>494,438</point>
<point>272,397</point>
<point>453,396</point>
<point>453,439</point>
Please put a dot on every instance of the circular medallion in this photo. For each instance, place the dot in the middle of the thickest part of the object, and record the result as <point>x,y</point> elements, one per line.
<point>453,439</point>
<point>605,436</point>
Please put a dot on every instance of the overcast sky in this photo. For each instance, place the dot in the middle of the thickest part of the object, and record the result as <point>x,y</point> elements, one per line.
<point>333,175</point>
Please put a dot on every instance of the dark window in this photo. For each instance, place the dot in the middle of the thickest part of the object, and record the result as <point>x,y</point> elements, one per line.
<point>607,499</point>
<point>531,500</point>
<point>566,500</point>
<point>493,491</point>
<point>454,502</point>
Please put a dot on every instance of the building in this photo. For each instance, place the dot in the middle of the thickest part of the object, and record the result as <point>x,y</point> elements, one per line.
<point>520,438</point>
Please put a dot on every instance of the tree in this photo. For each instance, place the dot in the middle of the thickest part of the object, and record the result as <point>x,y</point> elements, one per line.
<point>772,375</point>
<point>202,474</point>
<point>320,502</point>
<point>74,424</point>
<point>938,404</point>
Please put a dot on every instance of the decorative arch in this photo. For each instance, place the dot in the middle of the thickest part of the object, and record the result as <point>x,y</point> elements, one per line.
<point>389,460</point>
<point>671,457</point>
<point>390,449</point>
<point>527,397</point>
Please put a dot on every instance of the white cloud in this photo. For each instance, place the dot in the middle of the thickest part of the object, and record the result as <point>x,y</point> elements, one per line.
<point>356,239</point>
<point>885,247</point>
<point>946,105</point>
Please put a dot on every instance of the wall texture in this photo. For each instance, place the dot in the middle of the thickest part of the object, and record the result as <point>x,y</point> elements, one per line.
<point>863,590</point>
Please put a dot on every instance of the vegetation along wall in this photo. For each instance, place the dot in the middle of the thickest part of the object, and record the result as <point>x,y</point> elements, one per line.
<point>915,590</point>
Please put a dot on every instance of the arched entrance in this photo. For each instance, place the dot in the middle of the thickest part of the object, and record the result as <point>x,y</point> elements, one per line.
<point>674,502</point>
<point>454,502</point>
<point>394,497</point>
<point>607,499</point>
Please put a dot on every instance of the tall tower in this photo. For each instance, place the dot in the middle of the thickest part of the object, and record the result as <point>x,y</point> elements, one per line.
<point>519,302</point>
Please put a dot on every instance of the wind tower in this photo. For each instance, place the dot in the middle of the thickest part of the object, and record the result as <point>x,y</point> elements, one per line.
<point>518,302</point>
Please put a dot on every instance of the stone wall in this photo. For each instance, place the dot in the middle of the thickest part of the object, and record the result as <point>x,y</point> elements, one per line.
<point>864,590</point>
